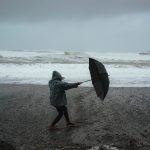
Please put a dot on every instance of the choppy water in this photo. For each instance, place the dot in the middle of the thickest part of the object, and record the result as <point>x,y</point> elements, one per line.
<point>35,67</point>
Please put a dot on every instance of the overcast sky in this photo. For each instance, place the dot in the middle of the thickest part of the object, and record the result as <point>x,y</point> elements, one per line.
<point>82,25</point>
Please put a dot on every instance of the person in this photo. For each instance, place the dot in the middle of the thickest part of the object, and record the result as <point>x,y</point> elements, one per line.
<point>58,97</point>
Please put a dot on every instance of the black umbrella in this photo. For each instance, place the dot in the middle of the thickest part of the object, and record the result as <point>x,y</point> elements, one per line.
<point>99,78</point>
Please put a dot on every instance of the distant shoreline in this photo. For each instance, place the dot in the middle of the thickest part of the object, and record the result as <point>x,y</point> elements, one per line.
<point>46,85</point>
<point>146,53</point>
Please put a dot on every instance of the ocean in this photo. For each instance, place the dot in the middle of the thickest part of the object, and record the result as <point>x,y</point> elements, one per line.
<point>36,66</point>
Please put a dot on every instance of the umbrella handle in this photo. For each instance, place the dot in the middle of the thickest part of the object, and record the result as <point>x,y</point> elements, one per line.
<point>89,80</point>
<point>85,81</point>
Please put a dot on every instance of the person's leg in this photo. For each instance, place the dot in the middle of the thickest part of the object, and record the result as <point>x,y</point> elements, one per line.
<point>59,116</point>
<point>65,111</point>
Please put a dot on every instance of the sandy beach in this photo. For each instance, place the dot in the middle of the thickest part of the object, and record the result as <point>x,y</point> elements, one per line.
<point>122,120</point>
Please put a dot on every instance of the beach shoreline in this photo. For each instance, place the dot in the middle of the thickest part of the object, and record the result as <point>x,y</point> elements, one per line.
<point>25,113</point>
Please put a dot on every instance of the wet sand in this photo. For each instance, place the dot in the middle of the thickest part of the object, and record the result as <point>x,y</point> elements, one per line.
<point>123,119</point>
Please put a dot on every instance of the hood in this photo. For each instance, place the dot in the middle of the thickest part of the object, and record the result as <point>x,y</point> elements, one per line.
<point>56,76</point>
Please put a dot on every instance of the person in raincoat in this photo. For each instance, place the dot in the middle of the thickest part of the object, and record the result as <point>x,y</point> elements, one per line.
<point>58,97</point>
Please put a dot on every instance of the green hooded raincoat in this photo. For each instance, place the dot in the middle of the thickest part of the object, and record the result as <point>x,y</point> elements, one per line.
<point>57,89</point>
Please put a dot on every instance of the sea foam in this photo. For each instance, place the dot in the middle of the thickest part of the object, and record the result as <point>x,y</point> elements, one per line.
<point>35,67</point>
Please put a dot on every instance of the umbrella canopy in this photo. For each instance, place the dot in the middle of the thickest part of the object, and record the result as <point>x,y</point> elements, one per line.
<point>99,78</point>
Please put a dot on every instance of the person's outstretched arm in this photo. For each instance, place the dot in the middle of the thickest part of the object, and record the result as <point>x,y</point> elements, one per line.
<point>67,86</point>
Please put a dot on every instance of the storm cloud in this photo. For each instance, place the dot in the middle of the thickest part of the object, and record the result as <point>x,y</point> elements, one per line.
<point>82,25</point>
<point>43,10</point>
